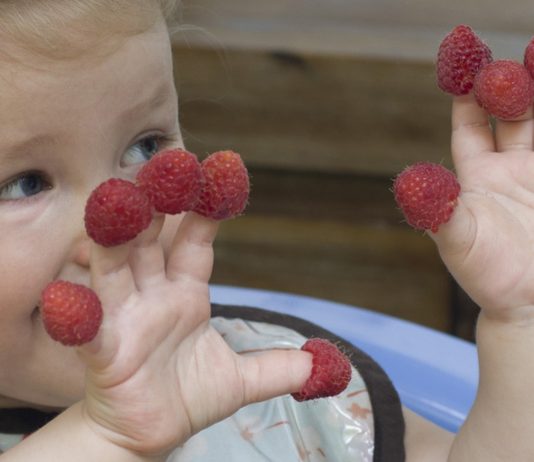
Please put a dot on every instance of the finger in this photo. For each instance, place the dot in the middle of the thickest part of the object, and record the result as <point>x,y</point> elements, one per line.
<point>455,238</point>
<point>472,133</point>
<point>111,275</point>
<point>116,274</point>
<point>517,134</point>
<point>147,259</point>
<point>274,373</point>
<point>192,249</point>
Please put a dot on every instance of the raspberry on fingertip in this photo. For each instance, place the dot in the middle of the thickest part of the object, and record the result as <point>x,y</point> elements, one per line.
<point>331,371</point>
<point>226,186</point>
<point>71,313</point>
<point>505,89</point>
<point>172,180</point>
<point>427,194</point>
<point>460,57</point>
<point>116,212</point>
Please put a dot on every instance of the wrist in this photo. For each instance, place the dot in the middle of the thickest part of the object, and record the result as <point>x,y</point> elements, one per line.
<point>513,316</point>
<point>503,404</point>
<point>112,441</point>
<point>73,435</point>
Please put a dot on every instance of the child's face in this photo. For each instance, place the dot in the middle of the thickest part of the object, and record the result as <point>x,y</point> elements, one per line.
<point>66,126</point>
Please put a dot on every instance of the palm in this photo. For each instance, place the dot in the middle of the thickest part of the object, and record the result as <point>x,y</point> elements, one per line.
<point>157,360</point>
<point>488,243</point>
<point>158,372</point>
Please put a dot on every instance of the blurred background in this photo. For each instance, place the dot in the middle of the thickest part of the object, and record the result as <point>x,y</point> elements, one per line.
<point>327,101</point>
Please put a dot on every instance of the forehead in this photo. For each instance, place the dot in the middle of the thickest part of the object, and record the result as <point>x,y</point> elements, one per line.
<point>133,69</point>
<point>64,28</point>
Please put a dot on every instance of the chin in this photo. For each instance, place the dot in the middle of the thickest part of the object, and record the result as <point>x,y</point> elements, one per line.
<point>57,375</point>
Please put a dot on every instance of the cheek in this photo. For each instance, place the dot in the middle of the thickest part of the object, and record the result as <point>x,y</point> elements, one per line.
<point>20,283</point>
<point>33,368</point>
<point>29,262</point>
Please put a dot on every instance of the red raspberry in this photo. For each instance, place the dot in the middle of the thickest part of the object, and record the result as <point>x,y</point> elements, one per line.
<point>116,212</point>
<point>505,89</point>
<point>331,371</point>
<point>529,57</point>
<point>427,194</point>
<point>172,180</point>
<point>461,55</point>
<point>226,186</point>
<point>71,313</point>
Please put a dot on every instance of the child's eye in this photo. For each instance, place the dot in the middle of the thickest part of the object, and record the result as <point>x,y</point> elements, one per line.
<point>24,186</point>
<point>143,150</point>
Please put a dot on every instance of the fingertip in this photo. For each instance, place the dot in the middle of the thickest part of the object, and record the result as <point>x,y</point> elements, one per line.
<point>150,234</point>
<point>467,111</point>
<point>275,373</point>
<point>457,234</point>
<point>192,248</point>
<point>111,275</point>
<point>302,363</point>
<point>105,260</point>
<point>198,228</point>
<point>472,132</point>
<point>515,133</point>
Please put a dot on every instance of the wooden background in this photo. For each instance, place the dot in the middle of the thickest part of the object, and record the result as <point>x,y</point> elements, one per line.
<point>326,102</point>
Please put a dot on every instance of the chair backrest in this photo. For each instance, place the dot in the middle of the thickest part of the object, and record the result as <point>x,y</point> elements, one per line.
<point>435,374</point>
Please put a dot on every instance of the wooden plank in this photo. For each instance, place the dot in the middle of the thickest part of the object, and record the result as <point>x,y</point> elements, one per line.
<point>518,15</point>
<point>411,29</point>
<point>334,237</point>
<point>321,196</point>
<point>393,272</point>
<point>325,109</point>
<point>315,113</point>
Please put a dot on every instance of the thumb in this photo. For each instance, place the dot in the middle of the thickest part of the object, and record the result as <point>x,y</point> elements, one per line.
<point>274,373</point>
<point>455,238</point>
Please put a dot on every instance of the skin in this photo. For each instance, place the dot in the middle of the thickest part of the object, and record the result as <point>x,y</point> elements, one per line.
<point>77,109</point>
<point>155,343</point>
<point>487,246</point>
<point>157,372</point>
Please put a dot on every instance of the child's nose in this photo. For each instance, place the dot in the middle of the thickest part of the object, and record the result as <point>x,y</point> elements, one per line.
<point>81,251</point>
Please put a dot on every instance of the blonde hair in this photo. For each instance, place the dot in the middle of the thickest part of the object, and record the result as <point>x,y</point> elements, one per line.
<point>65,28</point>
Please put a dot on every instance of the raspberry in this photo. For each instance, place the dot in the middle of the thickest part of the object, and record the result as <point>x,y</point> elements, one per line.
<point>504,88</point>
<point>331,371</point>
<point>529,57</point>
<point>427,194</point>
<point>461,55</point>
<point>226,186</point>
<point>71,313</point>
<point>172,180</point>
<point>116,212</point>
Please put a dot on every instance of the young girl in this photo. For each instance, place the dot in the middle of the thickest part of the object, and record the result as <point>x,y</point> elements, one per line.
<point>87,94</point>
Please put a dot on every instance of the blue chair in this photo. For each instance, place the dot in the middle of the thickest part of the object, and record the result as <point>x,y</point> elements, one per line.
<point>435,374</point>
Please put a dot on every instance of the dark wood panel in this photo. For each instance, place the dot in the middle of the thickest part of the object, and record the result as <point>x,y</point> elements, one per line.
<point>315,113</point>
<point>323,136</point>
<point>347,253</point>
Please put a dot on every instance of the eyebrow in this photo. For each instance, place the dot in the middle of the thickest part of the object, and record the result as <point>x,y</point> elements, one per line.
<point>13,152</point>
<point>156,99</point>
